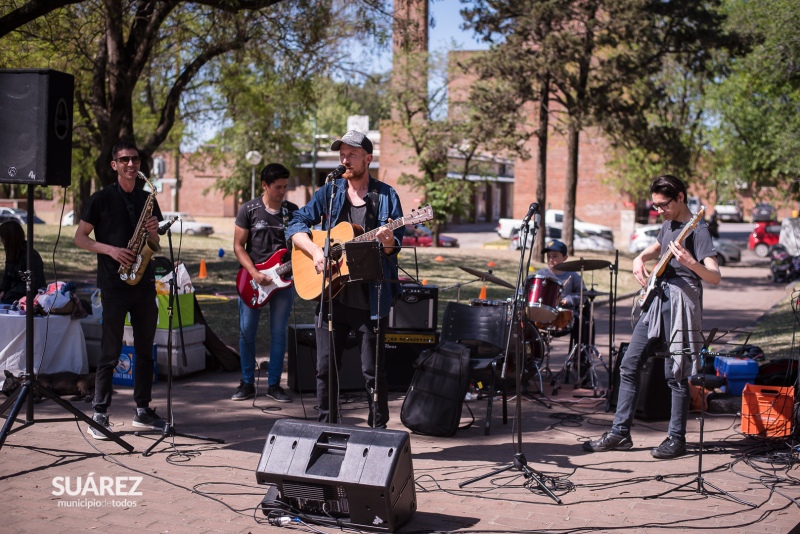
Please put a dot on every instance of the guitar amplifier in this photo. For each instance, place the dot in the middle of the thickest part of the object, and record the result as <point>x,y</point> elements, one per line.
<point>416,308</point>
<point>401,350</point>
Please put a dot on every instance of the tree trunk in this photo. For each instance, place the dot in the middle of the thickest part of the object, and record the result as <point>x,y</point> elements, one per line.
<point>571,184</point>
<point>541,163</point>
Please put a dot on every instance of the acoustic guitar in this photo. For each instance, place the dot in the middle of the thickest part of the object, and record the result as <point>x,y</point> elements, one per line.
<point>645,296</point>
<point>308,282</point>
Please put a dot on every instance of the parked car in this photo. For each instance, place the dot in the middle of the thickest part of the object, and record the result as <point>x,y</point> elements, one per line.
<point>764,235</point>
<point>421,236</point>
<point>68,219</point>
<point>506,228</point>
<point>729,211</point>
<point>694,204</point>
<point>643,237</point>
<point>727,251</point>
<point>21,216</point>
<point>187,224</point>
<point>764,211</point>
<point>581,241</point>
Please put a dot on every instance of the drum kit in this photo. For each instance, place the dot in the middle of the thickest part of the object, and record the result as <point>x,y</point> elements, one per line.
<point>542,319</point>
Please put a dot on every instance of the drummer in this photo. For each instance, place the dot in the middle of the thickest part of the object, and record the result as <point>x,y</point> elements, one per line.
<point>556,252</point>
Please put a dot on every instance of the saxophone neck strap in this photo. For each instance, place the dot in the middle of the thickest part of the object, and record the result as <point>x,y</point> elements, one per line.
<point>127,198</point>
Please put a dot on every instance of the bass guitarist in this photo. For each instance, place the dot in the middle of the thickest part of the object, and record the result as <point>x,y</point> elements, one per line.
<point>360,200</point>
<point>260,232</point>
<point>671,322</point>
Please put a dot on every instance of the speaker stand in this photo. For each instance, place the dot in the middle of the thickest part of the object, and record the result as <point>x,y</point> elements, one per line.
<point>23,395</point>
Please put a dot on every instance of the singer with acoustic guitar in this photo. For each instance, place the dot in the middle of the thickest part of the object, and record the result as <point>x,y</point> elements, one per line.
<point>368,204</point>
<point>671,317</point>
<point>259,242</point>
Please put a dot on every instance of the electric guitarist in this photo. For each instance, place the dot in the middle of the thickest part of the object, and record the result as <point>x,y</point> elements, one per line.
<point>672,321</point>
<point>259,233</point>
<point>358,199</point>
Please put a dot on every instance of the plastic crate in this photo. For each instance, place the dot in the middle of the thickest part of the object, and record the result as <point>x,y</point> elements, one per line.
<point>767,410</point>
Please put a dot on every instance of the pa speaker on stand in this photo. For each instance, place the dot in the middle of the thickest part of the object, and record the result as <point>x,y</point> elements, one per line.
<point>36,126</point>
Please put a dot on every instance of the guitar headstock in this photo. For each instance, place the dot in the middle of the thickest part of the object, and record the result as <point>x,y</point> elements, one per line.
<point>697,217</point>
<point>419,215</point>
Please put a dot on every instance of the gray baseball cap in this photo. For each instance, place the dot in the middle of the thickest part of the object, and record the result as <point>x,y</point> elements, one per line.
<point>353,138</point>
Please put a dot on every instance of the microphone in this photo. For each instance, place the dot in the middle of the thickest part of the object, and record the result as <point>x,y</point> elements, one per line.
<point>163,229</point>
<point>337,173</point>
<point>534,207</point>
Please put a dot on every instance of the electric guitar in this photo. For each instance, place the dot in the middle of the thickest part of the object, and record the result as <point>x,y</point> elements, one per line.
<point>645,296</point>
<point>255,295</point>
<point>308,282</point>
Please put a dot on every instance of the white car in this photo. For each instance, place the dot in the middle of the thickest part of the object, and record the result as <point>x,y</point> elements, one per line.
<point>643,237</point>
<point>729,211</point>
<point>186,224</point>
<point>580,242</point>
<point>506,228</point>
<point>68,219</point>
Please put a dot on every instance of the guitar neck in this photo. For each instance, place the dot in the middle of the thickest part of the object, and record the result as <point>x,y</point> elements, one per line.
<point>668,255</point>
<point>370,236</point>
<point>285,268</point>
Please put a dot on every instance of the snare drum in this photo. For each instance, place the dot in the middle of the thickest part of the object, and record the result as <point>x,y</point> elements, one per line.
<point>542,294</point>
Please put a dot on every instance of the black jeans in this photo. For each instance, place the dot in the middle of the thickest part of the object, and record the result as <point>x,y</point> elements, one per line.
<point>345,320</point>
<point>140,302</point>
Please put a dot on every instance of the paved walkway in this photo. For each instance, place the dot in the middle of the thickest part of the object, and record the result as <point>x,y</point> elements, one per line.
<point>199,487</point>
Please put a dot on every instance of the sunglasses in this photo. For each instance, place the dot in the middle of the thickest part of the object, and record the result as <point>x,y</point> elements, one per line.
<point>129,159</point>
<point>661,206</point>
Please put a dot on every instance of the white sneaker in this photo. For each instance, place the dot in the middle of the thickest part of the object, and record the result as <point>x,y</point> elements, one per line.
<point>102,420</point>
<point>470,396</point>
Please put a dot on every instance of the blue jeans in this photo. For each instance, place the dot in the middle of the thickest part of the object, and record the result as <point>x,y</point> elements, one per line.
<point>639,350</point>
<point>280,306</point>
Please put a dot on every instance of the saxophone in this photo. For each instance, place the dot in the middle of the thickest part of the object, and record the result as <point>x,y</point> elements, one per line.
<point>141,243</point>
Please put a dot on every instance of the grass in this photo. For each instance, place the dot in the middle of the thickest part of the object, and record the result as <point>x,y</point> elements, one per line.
<point>440,267</point>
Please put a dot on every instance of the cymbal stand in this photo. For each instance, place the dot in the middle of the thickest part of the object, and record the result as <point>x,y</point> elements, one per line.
<point>458,287</point>
<point>577,349</point>
<point>519,462</point>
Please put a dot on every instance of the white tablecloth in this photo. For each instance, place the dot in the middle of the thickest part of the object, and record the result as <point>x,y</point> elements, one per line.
<point>64,350</point>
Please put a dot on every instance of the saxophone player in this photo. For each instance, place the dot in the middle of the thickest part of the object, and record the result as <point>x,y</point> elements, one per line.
<point>115,213</point>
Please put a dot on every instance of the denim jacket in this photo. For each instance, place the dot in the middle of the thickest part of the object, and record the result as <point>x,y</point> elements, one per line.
<point>388,207</point>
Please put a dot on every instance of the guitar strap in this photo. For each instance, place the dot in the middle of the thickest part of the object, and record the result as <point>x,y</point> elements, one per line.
<point>285,216</point>
<point>371,223</point>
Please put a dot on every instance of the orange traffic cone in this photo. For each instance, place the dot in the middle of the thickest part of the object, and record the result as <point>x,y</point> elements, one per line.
<point>482,294</point>
<point>424,282</point>
<point>491,264</point>
<point>438,258</point>
<point>203,272</point>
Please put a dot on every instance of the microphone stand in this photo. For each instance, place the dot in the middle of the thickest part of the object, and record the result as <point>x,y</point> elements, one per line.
<point>519,462</point>
<point>169,427</point>
<point>30,384</point>
<point>612,326</point>
<point>327,274</point>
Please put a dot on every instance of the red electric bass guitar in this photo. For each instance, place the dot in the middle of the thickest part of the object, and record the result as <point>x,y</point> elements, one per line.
<point>255,295</point>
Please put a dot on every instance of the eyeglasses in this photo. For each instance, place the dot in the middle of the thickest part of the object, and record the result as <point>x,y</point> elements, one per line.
<point>129,159</point>
<point>661,206</point>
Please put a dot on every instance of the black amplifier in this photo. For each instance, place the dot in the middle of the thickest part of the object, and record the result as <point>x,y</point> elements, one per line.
<point>416,308</point>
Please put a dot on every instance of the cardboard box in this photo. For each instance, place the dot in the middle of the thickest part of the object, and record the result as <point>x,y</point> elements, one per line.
<point>767,410</point>
<point>186,303</point>
<point>126,367</point>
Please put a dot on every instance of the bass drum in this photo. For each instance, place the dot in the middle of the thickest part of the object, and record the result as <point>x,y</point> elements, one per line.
<point>533,351</point>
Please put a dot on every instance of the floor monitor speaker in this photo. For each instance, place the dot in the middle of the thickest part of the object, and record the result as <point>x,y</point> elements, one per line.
<point>36,126</point>
<point>361,478</point>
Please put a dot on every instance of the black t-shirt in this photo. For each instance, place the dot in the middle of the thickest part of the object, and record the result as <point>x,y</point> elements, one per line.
<point>356,295</point>
<point>698,243</point>
<point>107,210</point>
<point>266,232</point>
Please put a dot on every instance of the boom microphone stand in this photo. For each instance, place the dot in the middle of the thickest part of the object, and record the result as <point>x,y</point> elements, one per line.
<point>169,427</point>
<point>23,395</point>
<point>519,462</point>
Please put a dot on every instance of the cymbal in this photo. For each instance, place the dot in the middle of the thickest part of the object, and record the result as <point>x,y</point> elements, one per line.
<point>591,293</point>
<point>581,264</point>
<point>488,277</point>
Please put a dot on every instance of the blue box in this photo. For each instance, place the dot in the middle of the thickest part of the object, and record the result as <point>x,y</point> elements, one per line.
<point>126,366</point>
<point>739,372</point>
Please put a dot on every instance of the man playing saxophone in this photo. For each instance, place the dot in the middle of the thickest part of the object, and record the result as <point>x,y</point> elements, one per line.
<point>115,215</point>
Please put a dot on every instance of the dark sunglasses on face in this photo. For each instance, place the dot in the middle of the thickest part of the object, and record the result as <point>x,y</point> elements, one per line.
<point>129,159</point>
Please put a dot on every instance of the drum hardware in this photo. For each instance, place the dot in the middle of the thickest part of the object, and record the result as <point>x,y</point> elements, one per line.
<point>579,349</point>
